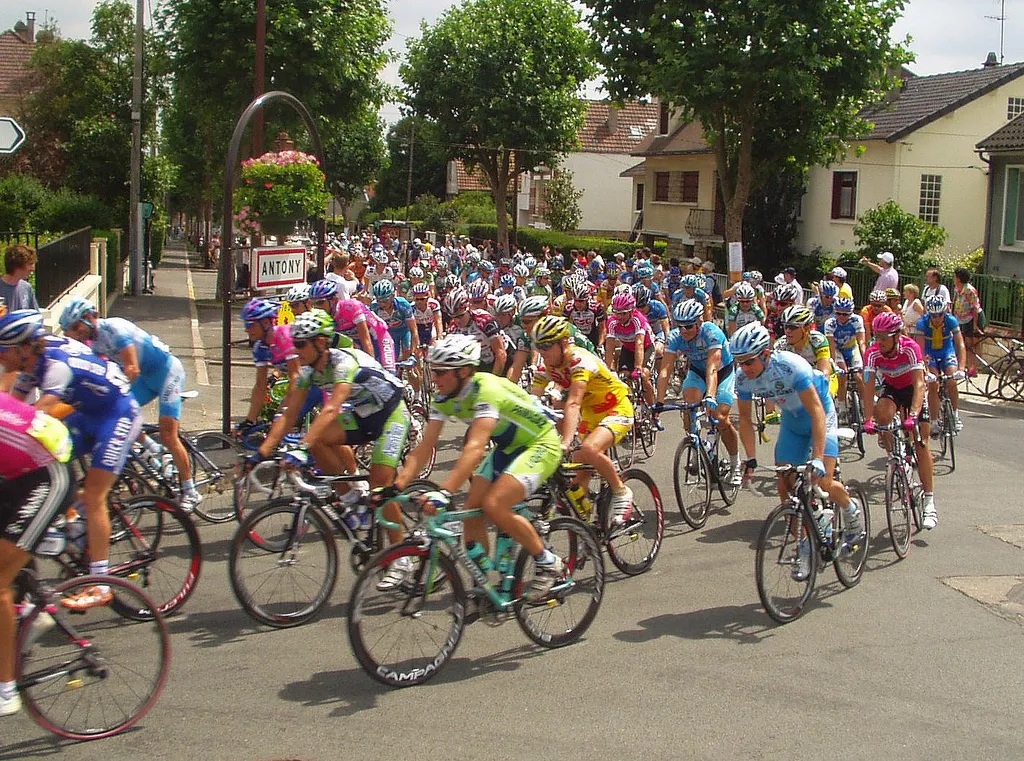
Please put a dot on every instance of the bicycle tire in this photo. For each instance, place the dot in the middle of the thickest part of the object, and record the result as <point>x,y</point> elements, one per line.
<point>850,560</point>
<point>420,414</point>
<point>129,485</point>
<point>215,458</point>
<point>161,553</point>
<point>577,604</point>
<point>260,569</point>
<point>634,546</point>
<point>1011,381</point>
<point>898,509</point>
<point>773,565</point>
<point>949,433</point>
<point>692,484</point>
<point>442,607</point>
<point>722,474</point>
<point>856,416</point>
<point>124,693</point>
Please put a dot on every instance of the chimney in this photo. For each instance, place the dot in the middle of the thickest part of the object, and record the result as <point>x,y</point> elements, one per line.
<point>613,118</point>
<point>991,61</point>
<point>30,18</point>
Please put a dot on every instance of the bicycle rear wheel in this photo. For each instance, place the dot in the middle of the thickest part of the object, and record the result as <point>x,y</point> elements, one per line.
<point>160,551</point>
<point>856,415</point>
<point>898,509</point>
<point>783,594</point>
<point>419,424</point>
<point>692,483</point>
<point>215,459</point>
<point>949,433</point>
<point>852,557</point>
<point>568,611</point>
<point>404,635</point>
<point>286,578</point>
<point>1011,381</point>
<point>95,673</point>
<point>634,546</point>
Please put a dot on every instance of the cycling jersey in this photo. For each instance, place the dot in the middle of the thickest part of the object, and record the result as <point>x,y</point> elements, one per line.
<point>395,319</point>
<point>604,389</point>
<point>814,349</point>
<point>709,337</point>
<point>425,319</point>
<point>115,334</point>
<point>349,313</point>
<point>741,318</point>
<point>655,314</point>
<point>483,327</point>
<point>821,310</point>
<point>868,313</point>
<point>588,318</point>
<point>845,333</point>
<point>628,332</point>
<point>695,293</point>
<point>29,438</point>
<point>373,388</point>
<point>277,349</point>
<point>896,371</point>
<point>938,339</point>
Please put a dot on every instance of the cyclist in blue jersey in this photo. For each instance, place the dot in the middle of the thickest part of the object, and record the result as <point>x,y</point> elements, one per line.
<point>808,430</point>
<point>710,375</point>
<point>943,343</point>
<point>690,288</point>
<point>823,305</point>
<point>846,337</point>
<point>152,370</point>
<point>657,315</point>
<point>397,312</point>
<point>104,420</point>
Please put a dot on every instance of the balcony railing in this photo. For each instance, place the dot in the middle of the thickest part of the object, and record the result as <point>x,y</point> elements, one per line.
<point>706,224</point>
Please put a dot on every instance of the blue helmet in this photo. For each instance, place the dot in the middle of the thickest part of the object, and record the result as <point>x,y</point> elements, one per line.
<point>844,304</point>
<point>259,309</point>
<point>383,290</point>
<point>642,294</point>
<point>691,281</point>
<point>76,309</point>
<point>508,280</point>
<point>828,288</point>
<point>689,310</point>
<point>478,289</point>
<point>21,326</point>
<point>323,289</point>
<point>752,338</point>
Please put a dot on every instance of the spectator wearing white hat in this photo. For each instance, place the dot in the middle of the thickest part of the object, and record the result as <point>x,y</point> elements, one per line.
<point>838,275</point>
<point>888,277</point>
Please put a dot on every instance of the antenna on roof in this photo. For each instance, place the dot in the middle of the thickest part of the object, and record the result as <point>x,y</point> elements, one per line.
<point>1001,18</point>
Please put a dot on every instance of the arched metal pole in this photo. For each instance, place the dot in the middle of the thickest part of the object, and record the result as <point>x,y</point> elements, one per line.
<point>228,226</point>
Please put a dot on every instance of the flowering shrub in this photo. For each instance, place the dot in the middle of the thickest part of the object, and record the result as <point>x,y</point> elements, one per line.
<point>288,185</point>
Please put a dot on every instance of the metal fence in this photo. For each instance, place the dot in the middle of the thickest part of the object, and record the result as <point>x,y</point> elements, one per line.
<point>61,263</point>
<point>10,237</point>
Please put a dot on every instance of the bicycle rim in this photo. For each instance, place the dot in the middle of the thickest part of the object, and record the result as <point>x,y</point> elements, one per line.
<point>215,459</point>
<point>99,690</point>
<point>406,634</point>
<point>269,485</point>
<point>949,433</point>
<point>898,510</point>
<point>634,546</point>
<point>783,596</point>
<point>856,419</point>
<point>723,476</point>
<point>692,486</point>
<point>852,557</point>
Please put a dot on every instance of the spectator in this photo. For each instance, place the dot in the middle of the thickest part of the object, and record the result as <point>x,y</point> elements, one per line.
<point>966,309</point>
<point>838,276</point>
<point>933,285</point>
<point>711,286</point>
<point>16,290</point>
<point>789,276</point>
<point>913,308</point>
<point>888,277</point>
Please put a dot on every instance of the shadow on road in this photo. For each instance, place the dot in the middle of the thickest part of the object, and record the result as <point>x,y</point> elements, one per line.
<point>746,531</point>
<point>745,624</point>
<point>214,628</point>
<point>39,747</point>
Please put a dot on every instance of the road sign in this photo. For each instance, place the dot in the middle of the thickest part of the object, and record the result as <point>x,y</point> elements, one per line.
<point>147,210</point>
<point>11,135</point>
<point>279,266</point>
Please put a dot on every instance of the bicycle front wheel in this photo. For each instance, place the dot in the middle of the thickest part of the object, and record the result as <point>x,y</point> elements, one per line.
<point>949,433</point>
<point>96,673</point>
<point>215,462</point>
<point>404,634</point>
<point>634,545</point>
<point>1011,381</point>
<point>692,484</point>
<point>898,509</point>
<point>567,612</point>
<point>853,555</point>
<point>286,577</point>
<point>783,588</point>
<point>856,416</point>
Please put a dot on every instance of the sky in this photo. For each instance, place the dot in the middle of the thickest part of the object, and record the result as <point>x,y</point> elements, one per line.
<point>948,35</point>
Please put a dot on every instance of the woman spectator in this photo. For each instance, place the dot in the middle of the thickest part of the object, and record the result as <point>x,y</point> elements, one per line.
<point>913,308</point>
<point>966,309</point>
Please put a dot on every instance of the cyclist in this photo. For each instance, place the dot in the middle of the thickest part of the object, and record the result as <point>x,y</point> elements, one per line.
<point>823,304</point>
<point>398,315</point>
<point>530,310</point>
<point>426,310</point>
<point>899,362</point>
<point>587,314</point>
<point>801,338</point>
<point>34,448</point>
<point>628,328</point>
<point>710,375</point>
<point>153,371</point>
<point>871,310</point>
<point>480,296</point>
<point>808,430</point>
<point>743,310</point>
<point>845,333</point>
<point>526,452</point>
<point>479,324</point>
<point>595,397</point>
<point>354,320</point>
<point>298,298</point>
<point>104,420</point>
<point>944,351</point>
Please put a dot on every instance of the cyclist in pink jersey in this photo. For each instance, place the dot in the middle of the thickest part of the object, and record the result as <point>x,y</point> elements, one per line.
<point>355,320</point>
<point>899,362</point>
<point>629,329</point>
<point>36,484</point>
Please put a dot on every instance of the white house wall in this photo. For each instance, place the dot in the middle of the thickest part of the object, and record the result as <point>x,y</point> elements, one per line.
<point>607,201</point>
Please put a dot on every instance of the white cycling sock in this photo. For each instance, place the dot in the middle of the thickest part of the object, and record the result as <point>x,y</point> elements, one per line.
<point>8,690</point>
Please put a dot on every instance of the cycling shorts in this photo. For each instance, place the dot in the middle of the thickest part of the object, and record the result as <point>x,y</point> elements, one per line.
<point>31,501</point>
<point>627,358</point>
<point>618,420</point>
<point>726,393</point>
<point>387,429</point>
<point>426,334</point>
<point>530,466</point>
<point>167,387</point>
<point>402,341</point>
<point>852,358</point>
<point>903,398</point>
<point>108,439</point>
<point>794,445</point>
<point>943,360</point>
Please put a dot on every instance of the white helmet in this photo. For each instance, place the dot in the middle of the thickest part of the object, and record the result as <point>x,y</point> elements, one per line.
<point>745,292</point>
<point>752,338</point>
<point>454,350</point>
<point>505,304</point>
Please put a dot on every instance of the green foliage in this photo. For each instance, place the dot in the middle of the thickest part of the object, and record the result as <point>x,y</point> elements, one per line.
<point>769,223</point>
<point>354,152</point>
<point>66,211</point>
<point>423,206</point>
<point>532,240</point>
<point>563,199</point>
<point>430,162</point>
<point>887,227</point>
<point>282,186</point>
<point>20,197</point>
<point>972,261</point>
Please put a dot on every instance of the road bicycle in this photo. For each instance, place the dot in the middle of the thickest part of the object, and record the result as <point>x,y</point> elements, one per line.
<point>854,406</point>
<point>944,424</point>
<point>405,635</point>
<point>1002,378</point>
<point>802,526</point>
<point>904,493</point>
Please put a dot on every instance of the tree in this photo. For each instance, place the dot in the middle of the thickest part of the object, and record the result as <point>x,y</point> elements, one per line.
<point>770,81</point>
<point>502,78</point>
<point>887,227</point>
<point>429,165</point>
<point>769,223</point>
<point>354,152</point>
<point>563,200</point>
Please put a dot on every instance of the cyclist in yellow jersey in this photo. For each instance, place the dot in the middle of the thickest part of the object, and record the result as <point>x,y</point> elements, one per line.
<point>801,338</point>
<point>595,397</point>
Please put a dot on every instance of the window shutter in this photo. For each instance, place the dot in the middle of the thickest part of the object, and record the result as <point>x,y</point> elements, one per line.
<point>837,191</point>
<point>1010,207</point>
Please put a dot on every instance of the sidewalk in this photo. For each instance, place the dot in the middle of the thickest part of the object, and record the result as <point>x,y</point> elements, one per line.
<point>183,311</point>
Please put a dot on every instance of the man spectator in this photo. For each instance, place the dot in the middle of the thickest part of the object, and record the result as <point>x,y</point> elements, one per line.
<point>711,288</point>
<point>16,290</point>
<point>888,277</point>
<point>788,275</point>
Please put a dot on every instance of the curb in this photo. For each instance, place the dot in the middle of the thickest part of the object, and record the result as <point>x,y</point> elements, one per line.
<point>996,409</point>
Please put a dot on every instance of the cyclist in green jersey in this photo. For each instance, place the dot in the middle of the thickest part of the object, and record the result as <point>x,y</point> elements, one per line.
<point>527,450</point>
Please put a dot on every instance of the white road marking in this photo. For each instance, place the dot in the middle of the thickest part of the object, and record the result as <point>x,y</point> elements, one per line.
<point>198,349</point>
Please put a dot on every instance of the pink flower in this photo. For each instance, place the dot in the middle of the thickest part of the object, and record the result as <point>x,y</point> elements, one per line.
<point>268,185</point>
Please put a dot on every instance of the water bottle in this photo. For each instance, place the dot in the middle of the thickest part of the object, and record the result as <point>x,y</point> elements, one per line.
<point>166,466</point>
<point>580,498</point>
<point>824,518</point>
<point>478,555</point>
<point>76,535</point>
<point>52,543</point>
<point>504,547</point>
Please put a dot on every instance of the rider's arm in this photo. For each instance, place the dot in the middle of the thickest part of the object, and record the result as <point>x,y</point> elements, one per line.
<point>638,351</point>
<point>833,348</point>
<point>920,389</point>
<point>329,413</point>
<point>498,347</point>
<point>291,407</point>
<point>414,333</point>
<point>824,364</point>
<point>862,343</point>
<point>747,435</point>
<point>259,390</point>
<point>418,457</point>
<point>668,364</point>
<point>130,362</point>
<point>868,399</point>
<point>711,372</point>
<point>809,397</point>
<point>518,363</point>
<point>476,444</point>
<point>571,411</point>
<point>365,342</point>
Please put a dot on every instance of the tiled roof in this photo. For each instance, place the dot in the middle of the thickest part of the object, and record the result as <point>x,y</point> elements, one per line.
<point>922,100</point>
<point>475,180</point>
<point>687,138</point>
<point>634,121</point>
<point>1009,137</point>
<point>637,170</point>
<point>14,56</point>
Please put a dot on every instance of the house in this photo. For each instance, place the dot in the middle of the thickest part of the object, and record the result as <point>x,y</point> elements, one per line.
<point>920,152</point>
<point>16,46</point>
<point>1003,150</point>
<point>607,139</point>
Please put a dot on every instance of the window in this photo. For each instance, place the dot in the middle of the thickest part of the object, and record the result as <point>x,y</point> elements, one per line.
<point>1013,209</point>
<point>689,185</point>
<point>1014,108</point>
<point>663,119</point>
<point>844,195</point>
<point>661,183</point>
<point>931,189</point>
<point>640,196</point>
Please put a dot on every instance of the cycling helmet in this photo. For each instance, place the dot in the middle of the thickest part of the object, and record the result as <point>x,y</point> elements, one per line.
<point>580,289</point>
<point>21,326</point>
<point>877,297</point>
<point>454,350</point>
<point>520,271</point>
<point>534,306</point>
<point>478,289</point>
<point>315,322</point>
<point>691,281</point>
<point>557,262</point>
<point>529,262</point>
<point>624,302</point>
<point>595,265</point>
<point>505,304</point>
<point>642,295</point>
<point>380,257</point>
<point>687,311</point>
<point>891,293</point>
<point>473,257</point>
<point>828,288</point>
<point>259,309</point>
<point>797,315</point>
<point>756,277</point>
<point>298,293</point>
<point>787,292</point>
<point>76,309</point>
<point>323,289</point>
<point>442,264</point>
<point>517,258</point>
<point>887,324</point>
<point>752,338</point>
<point>383,290</point>
<point>550,329</point>
<point>416,272</point>
<point>675,272</point>
<point>421,289</point>
<point>839,272</point>
<point>644,270</point>
<point>487,266</point>
<point>745,292</point>
<point>508,280</point>
<point>611,269</point>
<point>622,288</point>
<point>844,304</point>
<point>935,304</point>
<point>456,301</point>
<point>505,262</point>
<point>542,271</point>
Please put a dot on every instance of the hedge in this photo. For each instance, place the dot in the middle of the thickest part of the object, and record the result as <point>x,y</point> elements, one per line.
<point>532,240</point>
<point>113,239</point>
